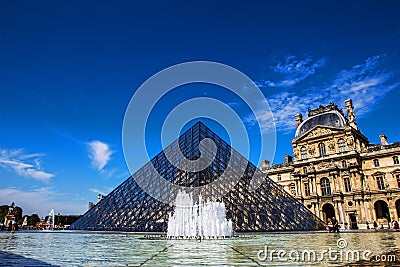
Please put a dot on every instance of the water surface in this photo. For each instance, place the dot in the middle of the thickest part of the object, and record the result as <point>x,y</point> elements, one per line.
<point>74,248</point>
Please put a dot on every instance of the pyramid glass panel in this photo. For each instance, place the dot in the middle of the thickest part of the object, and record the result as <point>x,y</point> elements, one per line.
<point>267,208</point>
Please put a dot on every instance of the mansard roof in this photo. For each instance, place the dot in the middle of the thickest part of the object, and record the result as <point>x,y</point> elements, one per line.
<point>333,118</point>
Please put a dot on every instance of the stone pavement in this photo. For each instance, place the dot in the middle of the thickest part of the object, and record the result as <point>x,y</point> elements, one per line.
<point>11,259</point>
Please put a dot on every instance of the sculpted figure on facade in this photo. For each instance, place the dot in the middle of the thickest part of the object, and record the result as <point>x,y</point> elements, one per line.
<point>311,150</point>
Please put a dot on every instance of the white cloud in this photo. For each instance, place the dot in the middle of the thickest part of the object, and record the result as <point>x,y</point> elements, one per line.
<point>27,165</point>
<point>99,153</point>
<point>102,192</point>
<point>294,70</point>
<point>41,201</point>
<point>366,84</point>
<point>97,191</point>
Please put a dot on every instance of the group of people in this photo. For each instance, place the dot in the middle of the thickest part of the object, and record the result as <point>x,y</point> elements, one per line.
<point>394,225</point>
<point>332,225</point>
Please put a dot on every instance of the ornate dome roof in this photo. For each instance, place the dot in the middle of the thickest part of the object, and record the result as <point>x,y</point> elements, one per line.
<point>329,118</point>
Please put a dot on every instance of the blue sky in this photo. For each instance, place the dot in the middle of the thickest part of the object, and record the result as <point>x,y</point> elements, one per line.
<point>68,70</point>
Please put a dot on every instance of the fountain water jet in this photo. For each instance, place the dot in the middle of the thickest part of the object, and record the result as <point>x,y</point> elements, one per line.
<point>199,220</point>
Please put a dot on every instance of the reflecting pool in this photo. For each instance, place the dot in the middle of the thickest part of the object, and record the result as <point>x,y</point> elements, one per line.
<point>74,248</point>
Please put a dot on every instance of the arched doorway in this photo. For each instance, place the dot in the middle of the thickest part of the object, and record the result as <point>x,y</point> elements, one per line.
<point>397,203</point>
<point>328,211</point>
<point>382,210</point>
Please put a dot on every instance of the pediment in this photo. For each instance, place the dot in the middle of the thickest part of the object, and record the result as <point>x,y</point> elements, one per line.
<point>319,131</point>
<point>396,171</point>
<point>378,173</point>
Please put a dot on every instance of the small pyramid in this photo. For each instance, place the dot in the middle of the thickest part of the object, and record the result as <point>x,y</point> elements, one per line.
<point>264,207</point>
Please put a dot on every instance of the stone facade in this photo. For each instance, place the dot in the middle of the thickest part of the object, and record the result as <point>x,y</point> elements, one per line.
<point>337,172</point>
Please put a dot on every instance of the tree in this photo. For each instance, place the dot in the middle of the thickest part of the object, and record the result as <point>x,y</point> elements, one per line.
<point>33,219</point>
<point>4,211</point>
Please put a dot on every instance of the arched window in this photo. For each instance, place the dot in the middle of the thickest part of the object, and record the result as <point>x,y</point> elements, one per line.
<point>303,152</point>
<point>342,145</point>
<point>325,187</point>
<point>395,160</point>
<point>376,162</point>
<point>322,151</point>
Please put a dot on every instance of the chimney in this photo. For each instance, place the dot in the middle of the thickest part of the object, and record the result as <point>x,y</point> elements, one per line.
<point>384,140</point>
<point>288,159</point>
<point>299,119</point>
<point>350,113</point>
<point>265,163</point>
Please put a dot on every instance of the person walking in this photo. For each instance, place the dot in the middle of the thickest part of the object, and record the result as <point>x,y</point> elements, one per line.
<point>335,225</point>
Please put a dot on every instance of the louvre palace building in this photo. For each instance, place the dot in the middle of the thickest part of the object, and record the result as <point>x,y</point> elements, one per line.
<point>335,171</point>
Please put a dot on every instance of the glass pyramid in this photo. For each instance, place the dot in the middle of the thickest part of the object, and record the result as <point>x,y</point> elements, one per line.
<point>130,208</point>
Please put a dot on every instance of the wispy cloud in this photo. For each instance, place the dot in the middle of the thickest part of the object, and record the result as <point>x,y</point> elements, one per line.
<point>366,84</point>
<point>42,200</point>
<point>103,192</point>
<point>99,153</point>
<point>97,191</point>
<point>294,70</point>
<point>24,164</point>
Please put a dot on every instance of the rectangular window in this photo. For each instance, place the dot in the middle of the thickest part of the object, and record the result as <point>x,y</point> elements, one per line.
<point>398,180</point>
<point>347,185</point>
<point>395,160</point>
<point>293,189</point>
<point>322,150</point>
<point>344,164</point>
<point>342,145</point>
<point>376,162</point>
<point>379,181</point>
<point>279,177</point>
<point>303,152</point>
<point>307,189</point>
<point>325,187</point>
<point>305,170</point>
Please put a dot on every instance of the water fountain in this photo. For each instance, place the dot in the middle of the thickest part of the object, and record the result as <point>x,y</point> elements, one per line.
<point>50,221</point>
<point>198,220</point>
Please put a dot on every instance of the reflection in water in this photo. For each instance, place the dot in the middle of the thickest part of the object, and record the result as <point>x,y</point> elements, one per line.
<point>67,248</point>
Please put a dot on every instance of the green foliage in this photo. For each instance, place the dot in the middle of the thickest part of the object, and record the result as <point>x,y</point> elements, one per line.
<point>4,211</point>
<point>64,219</point>
<point>18,213</point>
<point>33,219</point>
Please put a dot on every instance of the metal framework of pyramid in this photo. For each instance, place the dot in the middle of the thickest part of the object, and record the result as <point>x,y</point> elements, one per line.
<point>130,208</point>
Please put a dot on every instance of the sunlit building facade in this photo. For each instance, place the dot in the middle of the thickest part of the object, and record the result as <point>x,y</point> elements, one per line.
<point>335,171</point>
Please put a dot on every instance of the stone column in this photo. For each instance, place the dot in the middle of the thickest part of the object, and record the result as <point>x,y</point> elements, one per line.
<point>300,189</point>
<point>333,184</point>
<point>392,210</point>
<point>372,212</point>
<point>319,214</point>
<point>315,185</point>
<point>341,213</point>
<point>362,210</point>
<point>315,208</point>
<point>312,190</point>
